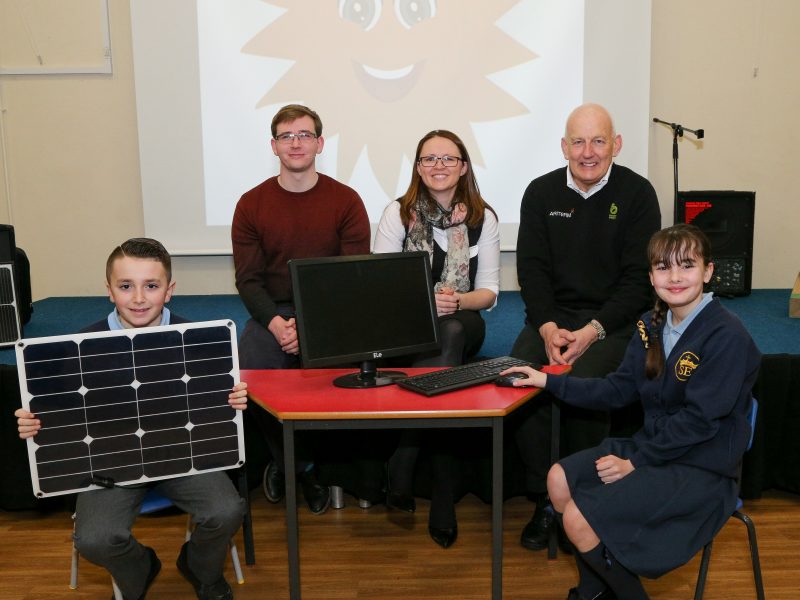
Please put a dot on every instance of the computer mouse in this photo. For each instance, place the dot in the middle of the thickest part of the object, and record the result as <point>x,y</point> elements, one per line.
<point>508,380</point>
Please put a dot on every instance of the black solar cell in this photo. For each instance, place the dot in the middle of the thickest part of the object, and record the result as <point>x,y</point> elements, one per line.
<point>10,326</point>
<point>130,406</point>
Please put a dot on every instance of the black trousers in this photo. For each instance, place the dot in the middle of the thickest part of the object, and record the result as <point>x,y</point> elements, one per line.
<point>461,336</point>
<point>580,428</point>
<point>258,349</point>
<point>351,459</point>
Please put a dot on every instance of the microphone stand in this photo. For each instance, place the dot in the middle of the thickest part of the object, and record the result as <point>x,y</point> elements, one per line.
<point>677,131</point>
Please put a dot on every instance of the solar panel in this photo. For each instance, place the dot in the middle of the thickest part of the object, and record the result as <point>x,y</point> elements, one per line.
<point>10,327</point>
<point>130,406</point>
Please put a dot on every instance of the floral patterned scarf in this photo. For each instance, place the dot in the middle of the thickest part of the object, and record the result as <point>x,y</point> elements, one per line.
<point>429,214</point>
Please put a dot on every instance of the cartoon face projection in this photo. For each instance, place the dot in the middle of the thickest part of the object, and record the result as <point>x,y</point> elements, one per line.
<point>382,73</point>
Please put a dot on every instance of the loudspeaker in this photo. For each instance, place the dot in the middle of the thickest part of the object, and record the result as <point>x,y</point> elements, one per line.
<point>726,217</point>
<point>10,322</point>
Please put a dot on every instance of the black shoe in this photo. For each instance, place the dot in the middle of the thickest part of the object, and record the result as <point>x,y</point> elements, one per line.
<point>155,568</point>
<point>535,533</point>
<point>395,499</point>
<point>574,594</point>
<point>400,501</point>
<point>563,542</point>
<point>219,590</point>
<point>274,483</point>
<point>445,536</point>
<point>318,496</point>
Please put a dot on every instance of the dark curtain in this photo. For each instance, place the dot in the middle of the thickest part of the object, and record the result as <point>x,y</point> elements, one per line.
<point>774,459</point>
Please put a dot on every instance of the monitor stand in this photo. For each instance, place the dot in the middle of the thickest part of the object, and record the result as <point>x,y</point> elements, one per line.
<point>368,377</point>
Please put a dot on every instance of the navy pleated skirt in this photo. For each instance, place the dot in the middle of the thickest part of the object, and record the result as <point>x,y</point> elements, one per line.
<point>656,518</point>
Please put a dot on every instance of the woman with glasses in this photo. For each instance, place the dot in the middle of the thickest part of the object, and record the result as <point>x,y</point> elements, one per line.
<point>444,214</point>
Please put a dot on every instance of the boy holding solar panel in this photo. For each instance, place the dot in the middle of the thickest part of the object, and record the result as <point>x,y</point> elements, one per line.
<point>139,282</point>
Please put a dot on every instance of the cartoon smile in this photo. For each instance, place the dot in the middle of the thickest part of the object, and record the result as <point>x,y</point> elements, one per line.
<point>387,85</point>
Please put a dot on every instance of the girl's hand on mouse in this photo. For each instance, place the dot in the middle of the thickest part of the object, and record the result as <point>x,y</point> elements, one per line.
<point>532,377</point>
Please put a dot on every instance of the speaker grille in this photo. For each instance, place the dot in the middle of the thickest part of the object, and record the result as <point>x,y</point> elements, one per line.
<point>9,316</point>
<point>726,217</point>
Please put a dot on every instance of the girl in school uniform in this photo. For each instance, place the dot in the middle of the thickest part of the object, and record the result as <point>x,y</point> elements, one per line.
<point>645,505</point>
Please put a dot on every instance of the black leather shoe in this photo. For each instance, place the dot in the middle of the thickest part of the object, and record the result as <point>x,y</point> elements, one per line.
<point>274,483</point>
<point>535,533</point>
<point>574,594</point>
<point>155,568</point>
<point>400,501</point>
<point>219,590</point>
<point>318,496</point>
<point>563,542</point>
<point>445,536</point>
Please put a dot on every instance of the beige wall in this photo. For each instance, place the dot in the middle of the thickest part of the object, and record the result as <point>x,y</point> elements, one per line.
<point>728,66</point>
<point>73,168</point>
<point>73,192</point>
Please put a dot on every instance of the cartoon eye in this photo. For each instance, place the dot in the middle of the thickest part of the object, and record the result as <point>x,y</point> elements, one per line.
<point>411,12</point>
<point>364,13</point>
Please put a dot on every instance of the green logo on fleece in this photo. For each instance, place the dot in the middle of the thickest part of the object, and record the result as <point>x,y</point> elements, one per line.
<point>612,212</point>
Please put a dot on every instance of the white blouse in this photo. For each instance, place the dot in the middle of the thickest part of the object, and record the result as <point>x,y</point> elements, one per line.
<point>391,233</point>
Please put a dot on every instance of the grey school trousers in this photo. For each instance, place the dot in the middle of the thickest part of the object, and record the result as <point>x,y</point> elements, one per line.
<point>103,521</point>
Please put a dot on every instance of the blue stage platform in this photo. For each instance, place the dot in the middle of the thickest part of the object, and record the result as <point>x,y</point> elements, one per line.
<point>771,463</point>
<point>764,312</point>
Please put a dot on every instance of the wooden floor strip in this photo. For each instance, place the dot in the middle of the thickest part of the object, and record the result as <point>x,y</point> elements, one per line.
<point>355,554</point>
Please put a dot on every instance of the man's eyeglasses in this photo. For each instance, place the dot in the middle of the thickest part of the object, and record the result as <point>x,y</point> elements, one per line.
<point>447,161</point>
<point>304,137</point>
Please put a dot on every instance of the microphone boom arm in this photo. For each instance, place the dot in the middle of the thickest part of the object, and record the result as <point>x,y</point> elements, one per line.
<point>677,131</point>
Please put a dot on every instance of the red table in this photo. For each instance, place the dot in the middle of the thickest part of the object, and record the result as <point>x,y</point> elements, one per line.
<point>307,399</point>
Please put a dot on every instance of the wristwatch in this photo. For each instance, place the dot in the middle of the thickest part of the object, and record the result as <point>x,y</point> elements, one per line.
<point>601,333</point>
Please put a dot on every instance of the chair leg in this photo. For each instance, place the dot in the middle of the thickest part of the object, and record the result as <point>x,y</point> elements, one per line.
<point>188,535</point>
<point>237,567</point>
<point>73,572</point>
<point>701,576</point>
<point>751,538</point>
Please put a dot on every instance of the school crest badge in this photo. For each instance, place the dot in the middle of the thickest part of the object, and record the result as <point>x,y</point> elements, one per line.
<point>686,365</point>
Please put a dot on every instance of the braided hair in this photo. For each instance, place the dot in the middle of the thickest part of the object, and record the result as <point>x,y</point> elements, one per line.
<point>670,246</point>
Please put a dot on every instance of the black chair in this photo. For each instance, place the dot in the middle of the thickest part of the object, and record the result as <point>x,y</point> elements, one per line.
<point>751,533</point>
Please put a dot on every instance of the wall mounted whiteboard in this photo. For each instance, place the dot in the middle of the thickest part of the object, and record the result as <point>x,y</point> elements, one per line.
<point>44,37</point>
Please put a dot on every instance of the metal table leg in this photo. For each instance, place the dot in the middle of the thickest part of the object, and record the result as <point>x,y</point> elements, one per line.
<point>497,508</point>
<point>555,443</point>
<point>247,522</point>
<point>291,510</point>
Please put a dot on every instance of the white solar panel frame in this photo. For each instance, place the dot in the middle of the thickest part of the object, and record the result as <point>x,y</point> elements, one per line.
<point>27,396</point>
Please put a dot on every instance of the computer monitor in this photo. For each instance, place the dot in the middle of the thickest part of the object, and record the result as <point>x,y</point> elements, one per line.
<point>364,308</point>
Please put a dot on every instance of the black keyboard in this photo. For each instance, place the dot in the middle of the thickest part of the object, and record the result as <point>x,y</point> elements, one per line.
<point>456,378</point>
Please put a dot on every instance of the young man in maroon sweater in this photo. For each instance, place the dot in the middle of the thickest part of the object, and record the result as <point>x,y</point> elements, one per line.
<point>297,214</point>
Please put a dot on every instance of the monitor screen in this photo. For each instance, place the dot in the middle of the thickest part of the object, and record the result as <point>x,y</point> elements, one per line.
<point>364,308</point>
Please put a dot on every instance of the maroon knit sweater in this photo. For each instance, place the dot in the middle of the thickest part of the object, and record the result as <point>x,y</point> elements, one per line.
<point>272,225</point>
